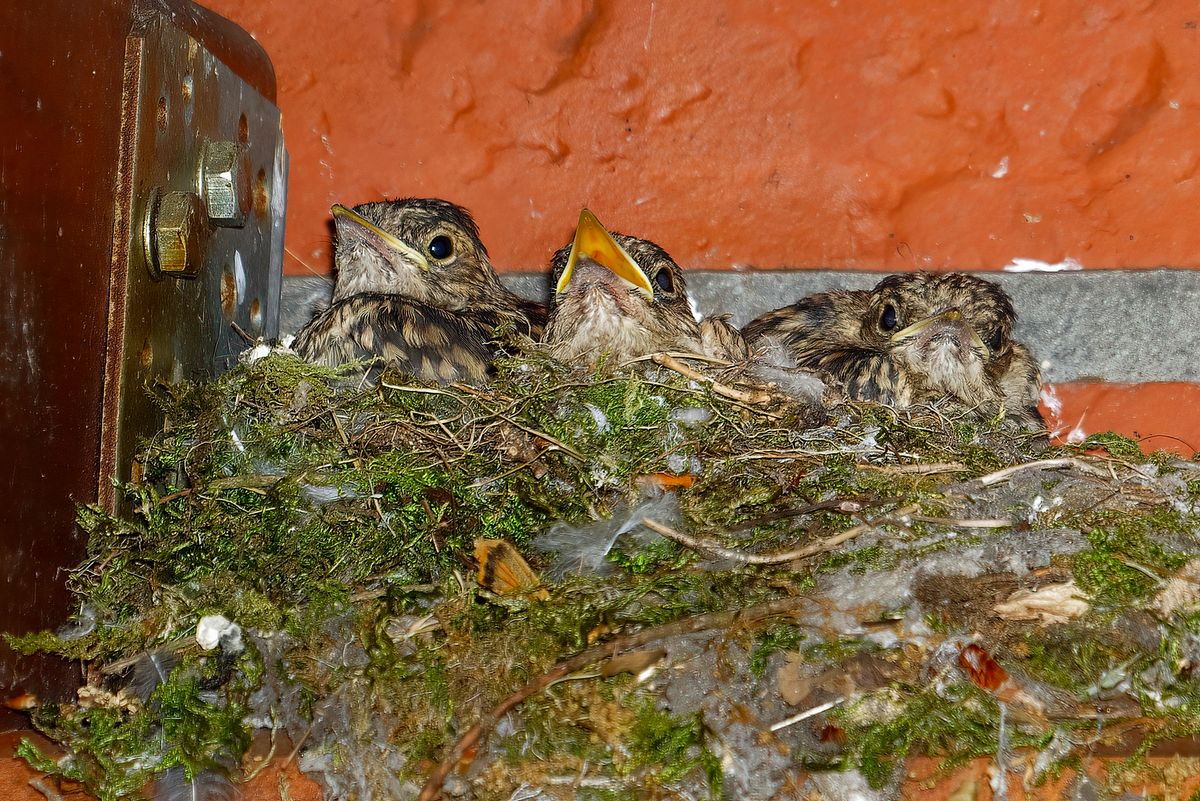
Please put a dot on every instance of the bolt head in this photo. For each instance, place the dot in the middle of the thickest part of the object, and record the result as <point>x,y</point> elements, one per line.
<point>181,232</point>
<point>226,183</point>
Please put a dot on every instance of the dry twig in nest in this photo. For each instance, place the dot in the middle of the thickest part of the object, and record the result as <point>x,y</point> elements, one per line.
<point>827,544</point>
<point>750,398</point>
<point>1041,464</point>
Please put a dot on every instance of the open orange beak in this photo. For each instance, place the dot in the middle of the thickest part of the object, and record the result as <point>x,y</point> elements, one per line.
<point>593,241</point>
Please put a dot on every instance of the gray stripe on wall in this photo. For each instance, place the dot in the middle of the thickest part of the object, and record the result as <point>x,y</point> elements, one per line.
<point>1113,325</point>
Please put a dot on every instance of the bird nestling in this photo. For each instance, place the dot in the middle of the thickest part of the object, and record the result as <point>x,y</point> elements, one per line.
<point>415,289</point>
<point>915,338</point>
<point>620,297</point>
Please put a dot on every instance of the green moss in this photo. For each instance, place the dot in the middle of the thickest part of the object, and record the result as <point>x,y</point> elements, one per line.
<point>1073,656</point>
<point>117,750</point>
<point>960,723</point>
<point>672,746</point>
<point>1119,446</point>
<point>1126,554</point>
<point>772,640</point>
<point>293,501</point>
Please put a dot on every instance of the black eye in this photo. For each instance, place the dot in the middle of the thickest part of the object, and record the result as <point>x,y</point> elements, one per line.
<point>887,320</point>
<point>441,246</point>
<point>996,340</point>
<point>664,280</point>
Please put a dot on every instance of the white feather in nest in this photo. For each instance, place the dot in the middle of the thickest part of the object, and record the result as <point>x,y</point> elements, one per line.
<point>583,550</point>
<point>207,785</point>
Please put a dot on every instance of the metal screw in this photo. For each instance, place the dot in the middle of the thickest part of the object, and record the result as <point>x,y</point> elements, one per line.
<point>179,232</point>
<point>225,178</point>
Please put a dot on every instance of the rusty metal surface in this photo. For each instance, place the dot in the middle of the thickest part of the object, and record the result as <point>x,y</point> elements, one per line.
<point>71,196</point>
<point>231,45</point>
<point>185,321</point>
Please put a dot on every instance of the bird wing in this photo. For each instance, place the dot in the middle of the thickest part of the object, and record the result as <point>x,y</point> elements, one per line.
<point>1021,388</point>
<point>428,343</point>
<point>722,339</point>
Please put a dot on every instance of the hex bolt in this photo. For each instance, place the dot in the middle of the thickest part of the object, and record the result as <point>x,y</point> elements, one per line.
<point>179,234</point>
<point>225,180</point>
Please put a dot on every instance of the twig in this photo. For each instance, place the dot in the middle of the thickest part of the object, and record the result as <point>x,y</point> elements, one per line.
<point>965,523</point>
<point>914,469</point>
<point>1040,464</point>
<point>682,354</point>
<point>421,390</point>
<point>713,620</point>
<point>241,332</point>
<point>751,398</point>
<point>483,482</point>
<point>265,761</point>
<point>806,714</point>
<point>741,557</point>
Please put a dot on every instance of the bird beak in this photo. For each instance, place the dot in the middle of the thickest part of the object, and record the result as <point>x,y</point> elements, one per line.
<point>951,317</point>
<point>593,242</point>
<point>352,225</point>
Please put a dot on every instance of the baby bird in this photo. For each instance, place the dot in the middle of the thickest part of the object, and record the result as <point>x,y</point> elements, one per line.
<point>915,338</point>
<point>620,297</point>
<point>415,289</point>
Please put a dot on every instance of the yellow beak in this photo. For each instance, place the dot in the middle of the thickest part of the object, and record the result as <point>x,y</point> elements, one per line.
<point>594,242</point>
<point>950,316</point>
<point>377,236</point>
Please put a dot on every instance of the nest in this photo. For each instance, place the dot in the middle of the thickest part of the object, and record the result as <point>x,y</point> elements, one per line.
<point>692,587</point>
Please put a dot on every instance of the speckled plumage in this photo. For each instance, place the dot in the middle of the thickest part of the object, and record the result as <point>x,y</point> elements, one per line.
<point>966,362</point>
<point>436,318</point>
<point>599,315</point>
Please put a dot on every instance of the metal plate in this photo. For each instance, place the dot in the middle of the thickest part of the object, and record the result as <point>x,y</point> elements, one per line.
<point>178,98</point>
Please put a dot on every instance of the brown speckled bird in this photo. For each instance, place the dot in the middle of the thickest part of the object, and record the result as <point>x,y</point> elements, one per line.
<point>620,297</point>
<point>415,290</point>
<point>915,338</point>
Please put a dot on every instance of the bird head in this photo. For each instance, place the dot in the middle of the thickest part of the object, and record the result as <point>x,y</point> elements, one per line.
<point>949,331</point>
<point>617,295</point>
<point>426,250</point>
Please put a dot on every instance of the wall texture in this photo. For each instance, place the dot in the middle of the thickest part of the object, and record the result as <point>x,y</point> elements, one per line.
<point>875,134</point>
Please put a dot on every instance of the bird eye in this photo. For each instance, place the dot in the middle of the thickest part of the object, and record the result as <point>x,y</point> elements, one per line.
<point>996,340</point>
<point>441,247</point>
<point>664,280</point>
<point>887,320</point>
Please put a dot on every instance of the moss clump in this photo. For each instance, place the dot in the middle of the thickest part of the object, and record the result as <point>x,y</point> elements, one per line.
<point>1116,445</point>
<point>771,641</point>
<point>672,746</point>
<point>1128,554</point>
<point>959,723</point>
<point>119,743</point>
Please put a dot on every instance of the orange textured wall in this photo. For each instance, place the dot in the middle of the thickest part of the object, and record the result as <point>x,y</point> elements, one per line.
<point>885,134</point>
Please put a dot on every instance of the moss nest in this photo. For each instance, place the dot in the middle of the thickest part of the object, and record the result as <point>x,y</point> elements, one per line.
<point>299,555</point>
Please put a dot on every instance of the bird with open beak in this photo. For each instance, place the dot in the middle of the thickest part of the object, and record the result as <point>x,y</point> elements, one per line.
<point>619,298</point>
<point>915,338</point>
<point>415,290</point>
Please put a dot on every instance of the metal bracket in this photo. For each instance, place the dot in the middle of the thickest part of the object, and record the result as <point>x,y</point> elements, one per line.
<point>198,238</point>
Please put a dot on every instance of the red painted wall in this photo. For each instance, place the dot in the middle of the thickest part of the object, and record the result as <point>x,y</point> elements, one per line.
<point>879,134</point>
